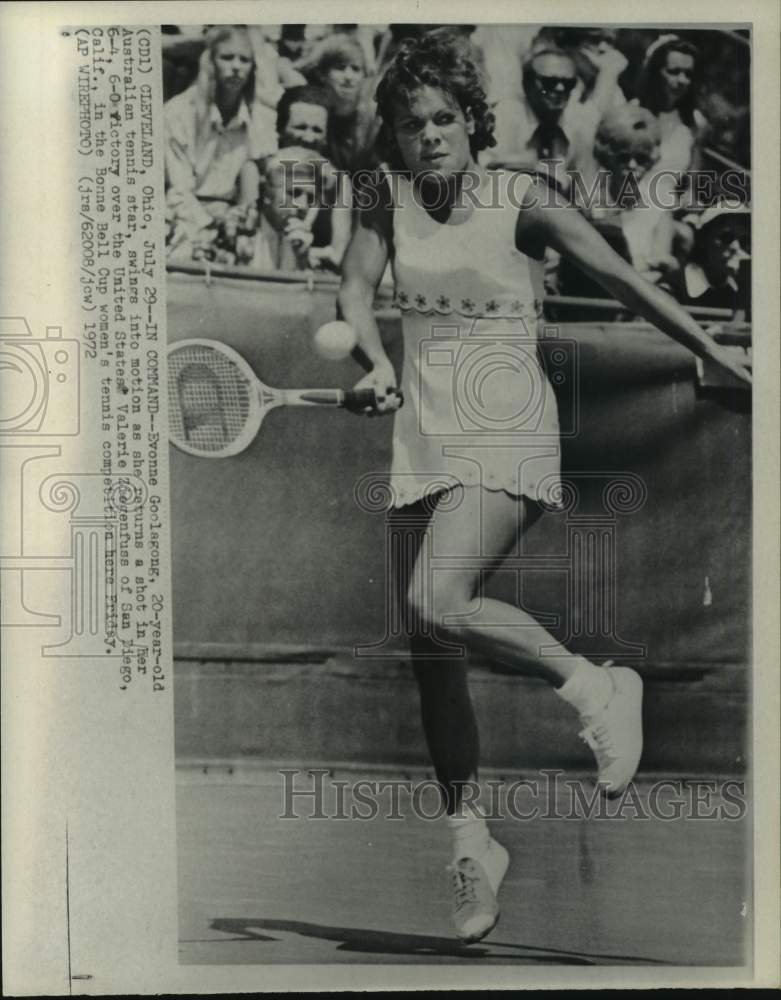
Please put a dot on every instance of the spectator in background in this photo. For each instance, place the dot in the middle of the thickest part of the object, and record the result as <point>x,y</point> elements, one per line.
<point>502,48</point>
<point>717,276</point>
<point>298,185</point>
<point>304,121</point>
<point>303,118</point>
<point>668,89</point>
<point>292,42</point>
<point>393,37</point>
<point>369,37</point>
<point>627,146</point>
<point>546,126</point>
<point>297,41</point>
<point>591,48</point>
<point>182,45</point>
<point>274,75</point>
<point>213,132</point>
<point>337,63</point>
<point>727,130</point>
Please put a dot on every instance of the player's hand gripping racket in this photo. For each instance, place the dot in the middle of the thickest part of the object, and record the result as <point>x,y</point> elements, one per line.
<point>216,403</point>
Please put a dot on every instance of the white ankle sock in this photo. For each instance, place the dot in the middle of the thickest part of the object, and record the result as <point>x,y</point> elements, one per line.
<point>469,832</point>
<point>589,688</point>
<point>472,839</point>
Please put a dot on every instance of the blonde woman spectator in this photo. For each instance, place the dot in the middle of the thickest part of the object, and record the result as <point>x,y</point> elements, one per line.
<point>214,131</point>
<point>338,64</point>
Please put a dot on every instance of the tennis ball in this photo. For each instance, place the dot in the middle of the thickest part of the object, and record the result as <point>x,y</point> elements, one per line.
<point>335,340</point>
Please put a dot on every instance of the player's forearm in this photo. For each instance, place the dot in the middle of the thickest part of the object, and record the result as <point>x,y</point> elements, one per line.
<point>356,307</point>
<point>341,231</point>
<point>570,234</point>
<point>664,312</point>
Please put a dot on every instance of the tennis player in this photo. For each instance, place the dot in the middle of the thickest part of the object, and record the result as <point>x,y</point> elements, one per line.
<point>466,248</point>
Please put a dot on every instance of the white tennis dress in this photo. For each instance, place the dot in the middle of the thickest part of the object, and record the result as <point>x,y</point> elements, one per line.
<point>478,409</point>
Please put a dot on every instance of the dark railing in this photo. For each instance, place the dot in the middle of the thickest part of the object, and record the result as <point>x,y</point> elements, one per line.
<point>310,279</point>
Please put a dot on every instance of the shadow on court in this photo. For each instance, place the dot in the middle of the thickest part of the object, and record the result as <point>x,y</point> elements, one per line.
<point>256,888</point>
<point>363,941</point>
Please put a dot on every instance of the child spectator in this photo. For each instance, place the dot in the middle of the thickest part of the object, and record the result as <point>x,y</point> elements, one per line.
<point>627,147</point>
<point>298,185</point>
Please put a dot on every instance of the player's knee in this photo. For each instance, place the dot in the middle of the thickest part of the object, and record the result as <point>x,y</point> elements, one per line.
<point>434,604</point>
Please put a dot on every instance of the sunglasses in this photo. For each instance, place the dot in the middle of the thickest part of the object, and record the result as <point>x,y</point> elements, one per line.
<point>641,159</point>
<point>548,83</point>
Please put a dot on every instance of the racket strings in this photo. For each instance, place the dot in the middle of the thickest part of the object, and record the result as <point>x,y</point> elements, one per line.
<point>212,398</point>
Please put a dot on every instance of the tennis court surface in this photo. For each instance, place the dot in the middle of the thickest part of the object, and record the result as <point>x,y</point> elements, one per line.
<point>257,889</point>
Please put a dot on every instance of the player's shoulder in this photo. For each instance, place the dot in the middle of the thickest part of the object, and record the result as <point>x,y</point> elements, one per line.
<point>374,199</point>
<point>519,189</point>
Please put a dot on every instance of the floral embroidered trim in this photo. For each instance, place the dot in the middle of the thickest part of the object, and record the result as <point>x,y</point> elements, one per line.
<point>444,305</point>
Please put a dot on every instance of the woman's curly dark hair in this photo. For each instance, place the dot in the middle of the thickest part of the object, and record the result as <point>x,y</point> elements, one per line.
<point>440,59</point>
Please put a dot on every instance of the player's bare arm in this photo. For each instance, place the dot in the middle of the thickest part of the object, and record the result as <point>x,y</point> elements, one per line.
<point>566,231</point>
<point>362,270</point>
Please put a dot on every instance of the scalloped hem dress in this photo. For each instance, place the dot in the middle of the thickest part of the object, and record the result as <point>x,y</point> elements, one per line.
<point>478,408</point>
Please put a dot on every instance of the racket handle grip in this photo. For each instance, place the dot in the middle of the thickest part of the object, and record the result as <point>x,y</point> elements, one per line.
<point>358,399</point>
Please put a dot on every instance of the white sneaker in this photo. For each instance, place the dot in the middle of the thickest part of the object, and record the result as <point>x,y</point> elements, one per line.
<point>475,909</point>
<point>615,732</point>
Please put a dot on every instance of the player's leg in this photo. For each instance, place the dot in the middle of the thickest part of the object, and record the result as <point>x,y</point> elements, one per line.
<point>440,668</point>
<point>448,719</point>
<point>479,862</point>
<point>450,728</point>
<point>465,541</point>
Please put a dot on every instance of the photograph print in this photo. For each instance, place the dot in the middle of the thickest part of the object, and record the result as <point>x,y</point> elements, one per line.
<point>460,402</point>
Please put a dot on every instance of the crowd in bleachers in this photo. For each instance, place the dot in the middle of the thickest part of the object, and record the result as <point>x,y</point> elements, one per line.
<point>646,132</point>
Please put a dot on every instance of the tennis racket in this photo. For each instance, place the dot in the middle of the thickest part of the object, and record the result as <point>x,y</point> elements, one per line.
<point>216,403</point>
